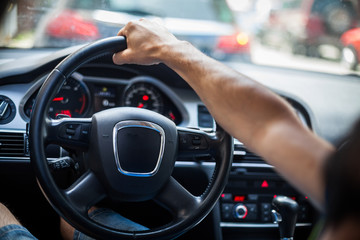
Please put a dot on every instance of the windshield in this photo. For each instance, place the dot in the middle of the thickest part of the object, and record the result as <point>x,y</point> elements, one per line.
<point>317,35</point>
<point>188,9</point>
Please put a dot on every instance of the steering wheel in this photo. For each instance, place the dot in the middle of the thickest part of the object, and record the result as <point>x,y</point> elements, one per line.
<point>130,155</point>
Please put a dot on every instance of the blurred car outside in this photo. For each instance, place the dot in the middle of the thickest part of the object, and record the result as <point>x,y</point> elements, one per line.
<point>284,20</point>
<point>315,27</point>
<point>351,50</point>
<point>207,24</point>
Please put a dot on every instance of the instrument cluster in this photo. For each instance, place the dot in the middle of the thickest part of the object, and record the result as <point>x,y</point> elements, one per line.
<point>80,97</point>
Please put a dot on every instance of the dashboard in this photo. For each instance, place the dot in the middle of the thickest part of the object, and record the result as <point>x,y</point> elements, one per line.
<point>321,101</point>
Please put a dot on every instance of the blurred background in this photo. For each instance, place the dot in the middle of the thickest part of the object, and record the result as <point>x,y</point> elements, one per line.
<point>315,35</point>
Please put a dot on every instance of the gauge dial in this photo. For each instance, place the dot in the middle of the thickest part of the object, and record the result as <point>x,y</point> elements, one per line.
<point>143,95</point>
<point>72,100</point>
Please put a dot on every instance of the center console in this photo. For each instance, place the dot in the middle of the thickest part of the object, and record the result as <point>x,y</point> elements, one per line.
<point>246,201</point>
<point>250,191</point>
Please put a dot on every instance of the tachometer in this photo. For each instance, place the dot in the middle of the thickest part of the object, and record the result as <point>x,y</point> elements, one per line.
<point>72,100</point>
<point>143,95</point>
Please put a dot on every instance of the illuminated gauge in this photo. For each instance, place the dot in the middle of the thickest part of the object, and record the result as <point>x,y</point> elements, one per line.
<point>28,107</point>
<point>143,95</point>
<point>72,100</point>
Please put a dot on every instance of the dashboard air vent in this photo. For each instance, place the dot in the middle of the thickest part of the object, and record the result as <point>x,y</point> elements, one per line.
<point>12,144</point>
<point>242,154</point>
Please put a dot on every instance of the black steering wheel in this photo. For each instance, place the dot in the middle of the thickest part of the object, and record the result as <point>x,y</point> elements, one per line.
<point>130,156</point>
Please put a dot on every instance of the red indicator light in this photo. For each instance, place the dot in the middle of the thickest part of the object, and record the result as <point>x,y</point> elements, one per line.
<point>275,196</point>
<point>145,97</point>
<point>65,112</point>
<point>265,184</point>
<point>58,99</point>
<point>306,197</point>
<point>172,116</point>
<point>223,195</point>
<point>293,198</point>
<point>239,198</point>
<point>141,105</point>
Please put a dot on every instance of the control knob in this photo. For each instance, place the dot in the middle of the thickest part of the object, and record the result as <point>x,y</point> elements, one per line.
<point>240,211</point>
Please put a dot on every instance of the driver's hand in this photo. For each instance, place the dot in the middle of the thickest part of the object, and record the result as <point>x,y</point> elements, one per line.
<point>146,43</point>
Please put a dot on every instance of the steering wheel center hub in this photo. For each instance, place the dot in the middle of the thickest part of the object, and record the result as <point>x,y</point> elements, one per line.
<point>132,152</point>
<point>138,147</point>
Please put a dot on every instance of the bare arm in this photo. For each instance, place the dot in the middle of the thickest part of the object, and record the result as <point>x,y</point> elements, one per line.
<point>247,110</point>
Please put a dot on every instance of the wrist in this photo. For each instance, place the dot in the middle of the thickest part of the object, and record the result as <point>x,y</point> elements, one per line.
<point>175,53</point>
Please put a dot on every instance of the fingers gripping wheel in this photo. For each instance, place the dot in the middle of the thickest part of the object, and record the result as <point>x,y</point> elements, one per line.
<point>110,138</point>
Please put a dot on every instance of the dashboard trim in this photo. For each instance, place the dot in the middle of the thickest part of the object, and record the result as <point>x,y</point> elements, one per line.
<point>36,86</point>
<point>257,225</point>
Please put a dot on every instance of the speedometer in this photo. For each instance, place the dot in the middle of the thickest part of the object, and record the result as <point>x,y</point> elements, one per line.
<point>143,95</point>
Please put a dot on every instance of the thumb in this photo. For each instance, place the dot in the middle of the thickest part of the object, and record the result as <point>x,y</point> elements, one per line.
<point>121,57</point>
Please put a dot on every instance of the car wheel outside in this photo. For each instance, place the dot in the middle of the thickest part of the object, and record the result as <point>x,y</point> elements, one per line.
<point>338,17</point>
<point>349,57</point>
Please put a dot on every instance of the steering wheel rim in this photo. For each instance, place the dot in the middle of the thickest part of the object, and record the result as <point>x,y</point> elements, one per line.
<point>220,142</point>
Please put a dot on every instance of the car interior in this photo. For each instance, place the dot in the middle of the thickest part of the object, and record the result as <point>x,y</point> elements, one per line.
<point>58,109</point>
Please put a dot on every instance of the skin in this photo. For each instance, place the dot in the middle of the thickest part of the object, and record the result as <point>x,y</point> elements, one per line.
<point>250,112</point>
<point>6,218</point>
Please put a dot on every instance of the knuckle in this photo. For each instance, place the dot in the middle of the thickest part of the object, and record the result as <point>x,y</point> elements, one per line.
<point>116,58</point>
<point>131,24</point>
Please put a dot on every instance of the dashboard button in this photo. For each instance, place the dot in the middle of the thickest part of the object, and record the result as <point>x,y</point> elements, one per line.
<point>192,142</point>
<point>85,132</point>
<point>226,197</point>
<point>226,211</point>
<point>70,131</point>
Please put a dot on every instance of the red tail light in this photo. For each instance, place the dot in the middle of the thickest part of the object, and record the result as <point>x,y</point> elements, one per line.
<point>235,43</point>
<point>352,37</point>
<point>314,26</point>
<point>71,25</point>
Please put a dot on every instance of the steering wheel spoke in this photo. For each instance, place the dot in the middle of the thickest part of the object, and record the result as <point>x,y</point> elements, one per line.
<point>177,199</point>
<point>85,192</point>
<point>70,133</point>
<point>195,143</point>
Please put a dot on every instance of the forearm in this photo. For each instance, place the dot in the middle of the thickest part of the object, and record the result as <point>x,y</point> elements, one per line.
<point>241,105</point>
<point>257,117</point>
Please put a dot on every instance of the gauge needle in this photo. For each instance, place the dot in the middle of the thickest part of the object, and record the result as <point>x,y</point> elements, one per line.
<point>58,99</point>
